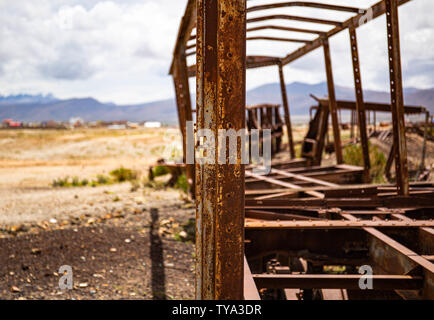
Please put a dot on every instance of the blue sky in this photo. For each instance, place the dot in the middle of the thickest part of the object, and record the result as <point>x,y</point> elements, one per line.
<point>120,50</point>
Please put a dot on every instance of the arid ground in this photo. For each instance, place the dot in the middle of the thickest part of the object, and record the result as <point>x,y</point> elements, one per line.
<point>118,245</point>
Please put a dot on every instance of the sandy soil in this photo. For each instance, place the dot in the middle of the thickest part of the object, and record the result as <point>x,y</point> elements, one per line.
<point>116,247</point>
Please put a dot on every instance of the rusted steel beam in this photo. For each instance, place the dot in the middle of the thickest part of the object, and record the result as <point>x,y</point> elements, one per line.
<point>221,59</point>
<point>396,258</point>
<point>278,39</point>
<point>303,178</point>
<point>283,184</point>
<point>295,18</point>
<point>377,10</point>
<point>272,27</point>
<point>281,28</point>
<point>287,114</point>
<point>375,202</point>
<point>251,63</point>
<point>360,104</point>
<point>373,106</point>
<point>250,290</point>
<point>339,281</point>
<point>336,224</point>
<point>397,98</point>
<point>315,5</point>
<point>183,101</point>
<point>187,24</point>
<point>332,102</point>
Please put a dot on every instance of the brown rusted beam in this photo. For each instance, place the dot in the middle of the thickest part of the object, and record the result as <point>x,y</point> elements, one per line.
<point>338,281</point>
<point>281,28</point>
<point>283,184</point>
<point>377,10</point>
<point>396,258</point>
<point>272,27</point>
<point>251,63</point>
<point>315,5</point>
<point>374,202</point>
<point>183,102</point>
<point>373,106</point>
<point>278,39</point>
<point>360,104</point>
<point>295,18</point>
<point>332,102</point>
<point>185,28</point>
<point>221,87</point>
<point>287,114</point>
<point>336,224</point>
<point>397,97</point>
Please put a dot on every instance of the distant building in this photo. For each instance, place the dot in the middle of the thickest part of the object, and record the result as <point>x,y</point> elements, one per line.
<point>117,126</point>
<point>76,122</point>
<point>9,123</point>
<point>152,124</point>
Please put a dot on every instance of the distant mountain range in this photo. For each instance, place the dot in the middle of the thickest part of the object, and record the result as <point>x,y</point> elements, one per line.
<point>36,108</point>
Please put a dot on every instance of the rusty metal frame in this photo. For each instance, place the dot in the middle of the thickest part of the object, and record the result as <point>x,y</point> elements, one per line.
<point>315,214</point>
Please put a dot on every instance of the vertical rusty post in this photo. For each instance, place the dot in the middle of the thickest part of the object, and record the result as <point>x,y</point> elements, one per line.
<point>221,71</point>
<point>397,98</point>
<point>332,101</point>
<point>286,111</point>
<point>360,104</point>
<point>183,101</point>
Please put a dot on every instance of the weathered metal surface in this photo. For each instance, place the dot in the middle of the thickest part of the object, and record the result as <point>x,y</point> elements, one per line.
<point>377,10</point>
<point>397,97</point>
<point>278,39</point>
<point>307,4</point>
<point>284,221</point>
<point>294,18</point>
<point>347,281</point>
<point>334,224</point>
<point>332,102</point>
<point>287,114</point>
<point>221,58</point>
<point>183,102</point>
<point>360,104</point>
<point>281,28</point>
<point>371,106</point>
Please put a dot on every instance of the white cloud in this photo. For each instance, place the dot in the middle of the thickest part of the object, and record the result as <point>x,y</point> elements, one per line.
<point>120,50</point>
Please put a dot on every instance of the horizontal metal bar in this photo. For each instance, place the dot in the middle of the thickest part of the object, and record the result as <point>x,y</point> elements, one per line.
<point>335,224</point>
<point>326,281</point>
<point>272,27</point>
<point>315,5</point>
<point>373,106</point>
<point>295,18</point>
<point>279,39</point>
<point>378,9</point>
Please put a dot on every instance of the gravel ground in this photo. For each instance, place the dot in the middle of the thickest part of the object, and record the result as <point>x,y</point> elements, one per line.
<point>126,254</point>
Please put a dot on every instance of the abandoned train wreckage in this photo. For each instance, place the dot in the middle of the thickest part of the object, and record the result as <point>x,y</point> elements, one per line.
<point>277,235</point>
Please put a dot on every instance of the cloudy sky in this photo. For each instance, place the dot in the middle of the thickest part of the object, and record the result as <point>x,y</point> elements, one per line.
<point>120,50</point>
